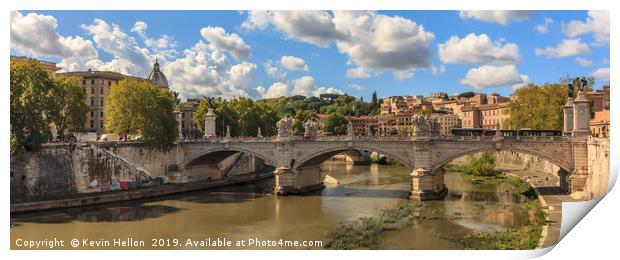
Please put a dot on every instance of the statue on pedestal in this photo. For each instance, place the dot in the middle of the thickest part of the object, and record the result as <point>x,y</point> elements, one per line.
<point>311,129</point>
<point>285,127</point>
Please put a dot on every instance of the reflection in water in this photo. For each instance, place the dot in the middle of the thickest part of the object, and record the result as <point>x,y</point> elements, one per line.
<point>249,211</point>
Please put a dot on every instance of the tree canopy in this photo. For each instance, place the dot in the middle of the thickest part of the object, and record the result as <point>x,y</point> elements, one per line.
<point>143,109</point>
<point>38,101</point>
<point>537,107</point>
<point>335,124</point>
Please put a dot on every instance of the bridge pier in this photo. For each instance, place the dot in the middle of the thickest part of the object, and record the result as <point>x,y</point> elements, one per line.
<point>427,185</point>
<point>296,181</point>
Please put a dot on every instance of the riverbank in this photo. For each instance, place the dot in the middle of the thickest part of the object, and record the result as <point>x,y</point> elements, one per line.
<point>137,194</point>
<point>367,233</point>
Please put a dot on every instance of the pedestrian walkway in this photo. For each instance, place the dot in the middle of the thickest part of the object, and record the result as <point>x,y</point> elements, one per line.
<point>548,189</point>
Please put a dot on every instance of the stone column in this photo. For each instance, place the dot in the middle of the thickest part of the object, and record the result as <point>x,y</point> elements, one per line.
<point>427,185</point>
<point>210,121</point>
<point>179,115</point>
<point>581,116</point>
<point>568,117</point>
<point>290,181</point>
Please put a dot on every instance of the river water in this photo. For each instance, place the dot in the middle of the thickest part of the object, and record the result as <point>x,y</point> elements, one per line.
<point>248,212</point>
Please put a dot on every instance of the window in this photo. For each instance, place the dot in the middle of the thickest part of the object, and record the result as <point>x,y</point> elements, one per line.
<point>101,101</point>
<point>109,83</point>
<point>92,82</point>
<point>92,90</point>
<point>101,114</point>
<point>92,114</point>
<point>92,123</point>
<point>83,82</point>
<point>92,102</point>
<point>101,90</point>
<point>101,124</point>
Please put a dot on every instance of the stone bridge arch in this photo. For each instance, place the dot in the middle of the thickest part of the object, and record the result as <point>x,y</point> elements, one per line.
<point>218,161</point>
<point>560,159</point>
<point>215,154</point>
<point>315,158</point>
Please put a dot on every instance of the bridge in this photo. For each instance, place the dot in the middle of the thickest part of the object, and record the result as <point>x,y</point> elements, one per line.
<point>297,158</point>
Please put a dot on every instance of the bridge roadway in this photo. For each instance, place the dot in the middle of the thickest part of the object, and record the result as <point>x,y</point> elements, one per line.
<point>297,159</point>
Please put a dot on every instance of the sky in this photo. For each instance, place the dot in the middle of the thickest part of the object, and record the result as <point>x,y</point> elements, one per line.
<point>263,54</point>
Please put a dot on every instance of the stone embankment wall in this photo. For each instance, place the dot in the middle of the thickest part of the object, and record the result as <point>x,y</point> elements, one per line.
<point>598,167</point>
<point>63,170</point>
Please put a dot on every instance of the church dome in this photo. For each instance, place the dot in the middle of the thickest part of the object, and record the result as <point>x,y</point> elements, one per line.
<point>157,77</point>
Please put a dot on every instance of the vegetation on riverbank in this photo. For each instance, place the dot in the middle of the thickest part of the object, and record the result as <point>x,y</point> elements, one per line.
<point>481,171</point>
<point>524,237</point>
<point>365,232</point>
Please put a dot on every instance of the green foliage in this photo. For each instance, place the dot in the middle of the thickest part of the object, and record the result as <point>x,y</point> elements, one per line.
<point>365,232</point>
<point>143,109</point>
<point>70,104</point>
<point>32,105</point>
<point>335,124</point>
<point>467,94</point>
<point>537,107</point>
<point>483,166</point>
<point>39,100</point>
<point>243,115</point>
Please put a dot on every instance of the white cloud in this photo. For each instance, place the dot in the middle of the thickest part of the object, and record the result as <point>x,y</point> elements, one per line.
<point>165,46</point>
<point>403,74</point>
<point>543,27</point>
<point>36,35</point>
<point>478,49</point>
<point>503,17</point>
<point>302,86</point>
<point>373,42</point>
<point>438,70</point>
<point>583,62</point>
<point>358,73</point>
<point>129,57</point>
<point>293,63</point>
<point>202,72</point>
<point>219,40</point>
<point>273,70</point>
<point>315,27</point>
<point>276,90</point>
<point>355,87</point>
<point>568,47</point>
<point>597,23</point>
<point>601,74</point>
<point>494,76</point>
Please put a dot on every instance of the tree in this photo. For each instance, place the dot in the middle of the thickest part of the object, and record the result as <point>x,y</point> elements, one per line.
<point>141,108</point>
<point>375,100</point>
<point>70,106</point>
<point>537,107</point>
<point>335,124</point>
<point>33,105</point>
<point>467,94</point>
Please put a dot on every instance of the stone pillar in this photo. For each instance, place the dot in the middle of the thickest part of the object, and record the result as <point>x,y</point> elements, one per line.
<point>179,115</point>
<point>304,179</point>
<point>568,117</point>
<point>427,185</point>
<point>581,116</point>
<point>210,121</point>
<point>259,134</point>
<point>227,131</point>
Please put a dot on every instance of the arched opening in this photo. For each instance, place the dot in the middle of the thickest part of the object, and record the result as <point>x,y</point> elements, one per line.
<point>548,175</point>
<point>221,163</point>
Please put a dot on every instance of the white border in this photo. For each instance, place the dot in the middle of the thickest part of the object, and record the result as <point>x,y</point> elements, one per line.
<point>595,236</point>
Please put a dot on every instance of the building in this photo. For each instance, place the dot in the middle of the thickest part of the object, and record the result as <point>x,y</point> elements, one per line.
<point>362,125</point>
<point>47,65</point>
<point>491,116</point>
<point>446,122</point>
<point>189,128</point>
<point>97,86</point>
<point>599,124</point>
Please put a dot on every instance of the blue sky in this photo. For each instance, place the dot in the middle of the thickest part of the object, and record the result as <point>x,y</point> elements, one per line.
<point>227,52</point>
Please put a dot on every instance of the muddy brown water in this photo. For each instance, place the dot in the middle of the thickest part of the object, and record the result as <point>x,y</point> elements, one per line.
<point>248,213</point>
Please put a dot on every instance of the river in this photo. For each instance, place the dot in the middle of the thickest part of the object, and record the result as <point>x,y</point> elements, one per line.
<point>248,212</point>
